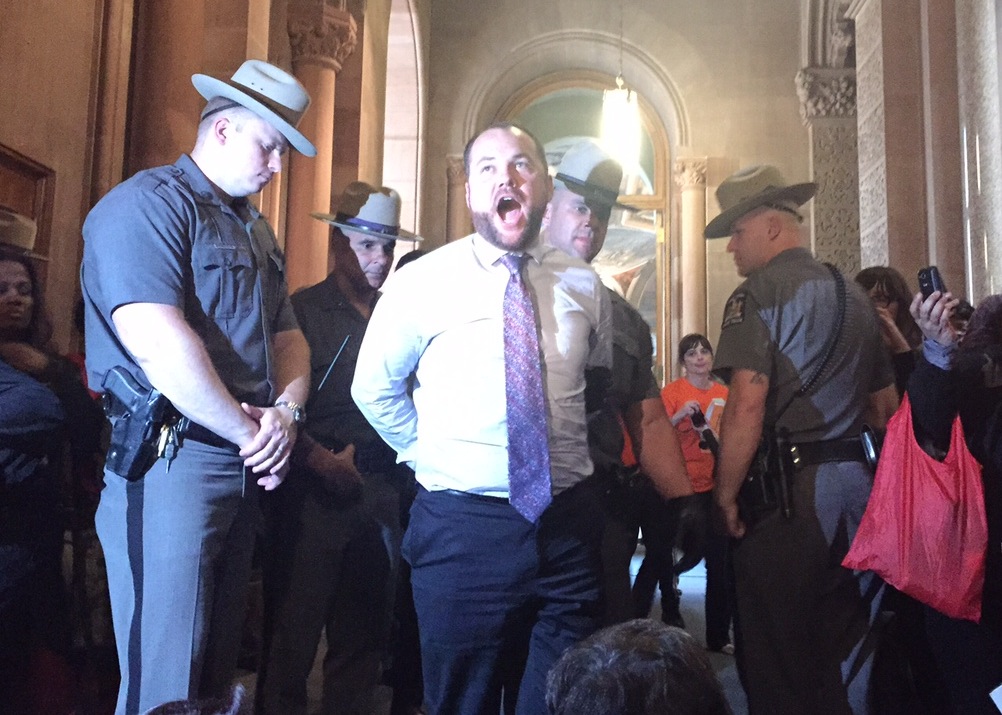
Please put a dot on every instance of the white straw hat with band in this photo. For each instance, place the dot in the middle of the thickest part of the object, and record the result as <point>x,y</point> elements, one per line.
<point>370,210</point>
<point>268,91</point>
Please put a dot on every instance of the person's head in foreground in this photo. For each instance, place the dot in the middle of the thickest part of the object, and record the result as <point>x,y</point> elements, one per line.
<point>641,667</point>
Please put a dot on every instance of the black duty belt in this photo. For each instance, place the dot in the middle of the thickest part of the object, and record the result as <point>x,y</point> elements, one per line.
<point>477,497</point>
<point>197,433</point>
<point>847,449</point>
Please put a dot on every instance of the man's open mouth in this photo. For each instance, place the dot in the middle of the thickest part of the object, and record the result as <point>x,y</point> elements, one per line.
<point>509,210</point>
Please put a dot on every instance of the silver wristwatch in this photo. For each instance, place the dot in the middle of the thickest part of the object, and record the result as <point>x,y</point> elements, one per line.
<point>298,413</point>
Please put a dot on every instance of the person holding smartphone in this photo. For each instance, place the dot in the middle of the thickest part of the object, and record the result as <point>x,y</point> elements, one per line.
<point>695,404</point>
<point>964,377</point>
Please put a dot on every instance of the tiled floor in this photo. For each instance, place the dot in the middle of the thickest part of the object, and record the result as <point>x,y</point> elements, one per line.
<point>693,586</point>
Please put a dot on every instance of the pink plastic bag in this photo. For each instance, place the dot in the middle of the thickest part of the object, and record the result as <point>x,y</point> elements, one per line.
<point>924,529</point>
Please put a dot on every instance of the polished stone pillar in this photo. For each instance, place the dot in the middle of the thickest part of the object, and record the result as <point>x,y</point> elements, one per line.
<point>457,215</point>
<point>322,35</point>
<point>978,73</point>
<point>828,108</point>
<point>111,110</point>
<point>164,107</point>
<point>690,177</point>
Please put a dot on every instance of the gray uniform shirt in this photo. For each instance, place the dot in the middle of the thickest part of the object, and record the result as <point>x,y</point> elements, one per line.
<point>165,236</point>
<point>779,322</point>
<point>632,382</point>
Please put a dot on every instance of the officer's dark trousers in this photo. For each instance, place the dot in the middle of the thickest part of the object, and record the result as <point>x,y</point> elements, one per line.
<point>499,599</point>
<point>178,546</point>
<point>330,568</point>
<point>806,638</point>
<point>659,524</point>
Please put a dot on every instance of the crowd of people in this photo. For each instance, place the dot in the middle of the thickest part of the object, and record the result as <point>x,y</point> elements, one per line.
<point>448,475</point>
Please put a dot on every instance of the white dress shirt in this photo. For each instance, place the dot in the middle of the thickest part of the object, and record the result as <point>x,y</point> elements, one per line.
<point>442,321</point>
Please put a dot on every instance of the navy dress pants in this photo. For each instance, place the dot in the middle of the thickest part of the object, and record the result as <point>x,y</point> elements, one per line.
<point>499,599</point>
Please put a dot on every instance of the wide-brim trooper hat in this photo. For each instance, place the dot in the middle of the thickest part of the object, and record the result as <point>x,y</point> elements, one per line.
<point>268,91</point>
<point>589,171</point>
<point>17,231</point>
<point>371,210</point>
<point>754,187</point>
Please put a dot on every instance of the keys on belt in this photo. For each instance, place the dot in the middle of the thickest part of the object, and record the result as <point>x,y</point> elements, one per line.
<point>170,440</point>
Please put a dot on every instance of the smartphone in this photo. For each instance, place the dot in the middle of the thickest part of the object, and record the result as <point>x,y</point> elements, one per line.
<point>930,281</point>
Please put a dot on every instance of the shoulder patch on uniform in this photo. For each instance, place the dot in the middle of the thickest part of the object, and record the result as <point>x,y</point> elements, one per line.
<point>734,311</point>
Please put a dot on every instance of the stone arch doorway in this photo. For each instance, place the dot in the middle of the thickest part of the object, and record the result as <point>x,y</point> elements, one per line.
<point>562,108</point>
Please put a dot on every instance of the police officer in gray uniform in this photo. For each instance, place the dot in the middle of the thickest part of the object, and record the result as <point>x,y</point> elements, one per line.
<point>803,359</point>
<point>585,190</point>
<point>191,334</point>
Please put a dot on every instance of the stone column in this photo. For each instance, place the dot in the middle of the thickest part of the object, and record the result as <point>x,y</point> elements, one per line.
<point>322,35</point>
<point>872,150</point>
<point>978,73</point>
<point>168,51</point>
<point>457,217</point>
<point>828,108</point>
<point>690,177</point>
<point>111,108</point>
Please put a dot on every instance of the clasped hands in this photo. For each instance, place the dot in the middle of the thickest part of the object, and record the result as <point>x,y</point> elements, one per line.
<point>270,449</point>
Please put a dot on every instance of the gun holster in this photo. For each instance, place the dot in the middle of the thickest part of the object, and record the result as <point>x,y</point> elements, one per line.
<point>768,486</point>
<point>137,416</point>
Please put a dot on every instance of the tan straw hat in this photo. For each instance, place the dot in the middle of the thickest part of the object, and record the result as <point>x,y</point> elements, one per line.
<point>752,188</point>
<point>589,171</point>
<point>369,210</point>
<point>271,93</point>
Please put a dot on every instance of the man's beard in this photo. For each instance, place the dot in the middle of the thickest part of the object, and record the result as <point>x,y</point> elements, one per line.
<point>484,225</point>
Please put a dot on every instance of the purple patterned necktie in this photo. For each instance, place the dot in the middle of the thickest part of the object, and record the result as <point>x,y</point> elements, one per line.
<point>528,447</point>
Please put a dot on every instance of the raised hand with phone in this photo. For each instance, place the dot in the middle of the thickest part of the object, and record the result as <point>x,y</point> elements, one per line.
<point>933,306</point>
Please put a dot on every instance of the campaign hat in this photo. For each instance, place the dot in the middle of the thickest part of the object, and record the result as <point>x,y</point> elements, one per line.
<point>752,188</point>
<point>589,171</point>
<point>270,92</point>
<point>367,209</point>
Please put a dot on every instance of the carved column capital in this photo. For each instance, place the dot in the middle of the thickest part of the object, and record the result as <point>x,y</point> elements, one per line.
<point>322,32</point>
<point>455,169</point>
<point>826,93</point>
<point>690,173</point>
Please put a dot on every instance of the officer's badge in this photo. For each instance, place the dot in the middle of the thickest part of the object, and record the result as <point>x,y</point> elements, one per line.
<point>734,311</point>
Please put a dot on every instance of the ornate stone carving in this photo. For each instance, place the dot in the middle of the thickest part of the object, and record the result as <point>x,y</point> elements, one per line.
<point>836,206</point>
<point>826,93</point>
<point>871,133</point>
<point>690,173</point>
<point>843,44</point>
<point>322,32</point>
<point>831,36</point>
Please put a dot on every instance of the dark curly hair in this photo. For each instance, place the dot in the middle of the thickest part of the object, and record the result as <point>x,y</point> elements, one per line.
<point>892,284</point>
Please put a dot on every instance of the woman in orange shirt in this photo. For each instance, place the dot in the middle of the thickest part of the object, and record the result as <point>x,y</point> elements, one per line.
<point>695,404</point>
